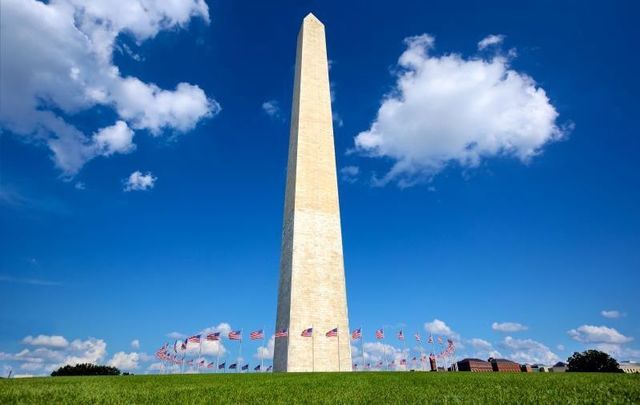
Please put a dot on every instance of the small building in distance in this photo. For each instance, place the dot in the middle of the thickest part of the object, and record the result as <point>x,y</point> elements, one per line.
<point>629,367</point>
<point>559,367</point>
<point>526,368</point>
<point>474,365</point>
<point>504,365</point>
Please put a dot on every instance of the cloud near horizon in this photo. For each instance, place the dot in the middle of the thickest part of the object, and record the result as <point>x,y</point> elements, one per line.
<point>447,110</point>
<point>57,61</point>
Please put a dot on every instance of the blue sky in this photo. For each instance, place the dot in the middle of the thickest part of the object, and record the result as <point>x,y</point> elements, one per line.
<point>504,189</point>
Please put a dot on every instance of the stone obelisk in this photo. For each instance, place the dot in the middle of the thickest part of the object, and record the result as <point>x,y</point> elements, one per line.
<point>312,291</point>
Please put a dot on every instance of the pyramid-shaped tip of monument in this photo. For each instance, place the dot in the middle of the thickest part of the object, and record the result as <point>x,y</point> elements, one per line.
<point>312,18</point>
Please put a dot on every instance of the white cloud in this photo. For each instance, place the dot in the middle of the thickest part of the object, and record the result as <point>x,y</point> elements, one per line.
<point>272,108</point>
<point>45,340</point>
<point>508,327</point>
<point>438,327</point>
<point>135,344</point>
<point>266,352</point>
<point>450,110</point>
<point>114,139</point>
<point>349,173</point>
<point>480,344</point>
<point>57,57</point>
<point>91,350</point>
<point>612,314</point>
<point>490,40</point>
<point>529,351</point>
<point>619,352</point>
<point>598,334</point>
<point>125,361</point>
<point>176,335</point>
<point>139,182</point>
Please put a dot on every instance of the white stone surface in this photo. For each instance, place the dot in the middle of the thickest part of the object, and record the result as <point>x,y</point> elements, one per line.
<point>312,290</point>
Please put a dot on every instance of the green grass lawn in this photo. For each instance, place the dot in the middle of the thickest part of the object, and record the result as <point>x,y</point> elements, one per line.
<point>375,387</point>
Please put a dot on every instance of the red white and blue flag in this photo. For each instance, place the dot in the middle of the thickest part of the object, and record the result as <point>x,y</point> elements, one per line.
<point>235,335</point>
<point>380,334</point>
<point>210,365</point>
<point>417,336</point>
<point>430,339</point>
<point>257,335</point>
<point>257,368</point>
<point>356,334</point>
<point>213,336</point>
<point>193,339</point>
<point>307,332</point>
<point>233,366</point>
<point>282,333</point>
<point>401,335</point>
<point>222,365</point>
<point>439,340</point>
<point>269,368</point>
<point>332,333</point>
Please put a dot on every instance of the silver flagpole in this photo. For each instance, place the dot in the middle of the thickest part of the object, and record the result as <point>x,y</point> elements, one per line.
<point>404,349</point>
<point>362,343</point>
<point>384,354</point>
<point>218,353</point>
<point>338,336</point>
<point>238,363</point>
<point>200,354</point>
<point>265,346</point>
<point>313,349</point>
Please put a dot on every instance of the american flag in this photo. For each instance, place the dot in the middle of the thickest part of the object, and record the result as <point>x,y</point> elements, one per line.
<point>401,335</point>
<point>194,339</point>
<point>356,334</point>
<point>417,336</point>
<point>380,334</point>
<point>190,362</point>
<point>245,367</point>
<point>379,364</point>
<point>257,368</point>
<point>332,333</point>
<point>403,362</point>
<point>368,365</point>
<point>210,365</point>
<point>430,339</point>
<point>213,336</point>
<point>175,346</point>
<point>202,363</point>
<point>307,332</point>
<point>439,340</point>
<point>184,345</point>
<point>269,368</point>
<point>235,335</point>
<point>221,365</point>
<point>256,335</point>
<point>282,333</point>
<point>233,366</point>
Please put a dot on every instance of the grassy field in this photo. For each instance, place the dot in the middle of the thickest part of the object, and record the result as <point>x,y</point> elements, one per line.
<point>397,388</point>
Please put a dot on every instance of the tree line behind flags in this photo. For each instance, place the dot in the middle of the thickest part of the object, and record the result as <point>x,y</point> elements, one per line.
<point>176,355</point>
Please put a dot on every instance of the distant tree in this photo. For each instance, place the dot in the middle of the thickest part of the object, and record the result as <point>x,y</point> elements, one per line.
<point>85,369</point>
<point>593,361</point>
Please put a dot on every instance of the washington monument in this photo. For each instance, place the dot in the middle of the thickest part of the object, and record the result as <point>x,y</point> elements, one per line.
<point>312,291</point>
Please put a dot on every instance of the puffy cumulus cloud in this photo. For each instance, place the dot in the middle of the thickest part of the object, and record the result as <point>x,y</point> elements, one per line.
<point>176,335</point>
<point>490,40</point>
<point>266,352</point>
<point>56,60</point>
<point>508,327</point>
<point>125,361</point>
<point>612,314</point>
<point>481,344</point>
<point>91,350</point>
<point>375,352</point>
<point>438,327</point>
<point>114,139</point>
<point>619,352</point>
<point>53,353</point>
<point>451,110</point>
<point>45,340</point>
<point>139,182</point>
<point>135,344</point>
<point>598,334</point>
<point>529,351</point>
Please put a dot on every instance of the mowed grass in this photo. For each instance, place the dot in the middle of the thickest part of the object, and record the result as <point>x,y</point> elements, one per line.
<point>347,388</point>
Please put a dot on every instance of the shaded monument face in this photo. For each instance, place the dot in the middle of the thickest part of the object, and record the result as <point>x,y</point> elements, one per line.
<point>312,290</point>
